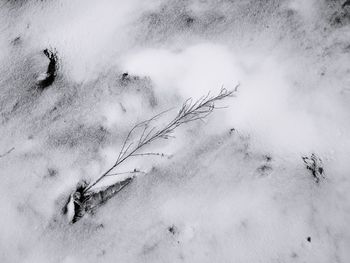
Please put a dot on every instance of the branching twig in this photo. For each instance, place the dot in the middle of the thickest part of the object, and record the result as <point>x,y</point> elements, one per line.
<point>189,112</point>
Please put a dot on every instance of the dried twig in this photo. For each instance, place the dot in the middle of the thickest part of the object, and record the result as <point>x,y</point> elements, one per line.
<point>189,112</point>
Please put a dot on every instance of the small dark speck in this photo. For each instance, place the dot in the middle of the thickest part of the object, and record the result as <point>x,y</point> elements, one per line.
<point>337,20</point>
<point>189,20</point>
<point>52,172</point>
<point>16,41</point>
<point>102,129</point>
<point>264,168</point>
<point>294,255</point>
<point>232,130</point>
<point>125,76</point>
<point>244,224</point>
<point>308,239</point>
<point>122,107</point>
<point>268,158</point>
<point>172,229</point>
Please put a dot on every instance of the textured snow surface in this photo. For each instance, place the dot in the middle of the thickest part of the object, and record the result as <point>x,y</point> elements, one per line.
<point>235,188</point>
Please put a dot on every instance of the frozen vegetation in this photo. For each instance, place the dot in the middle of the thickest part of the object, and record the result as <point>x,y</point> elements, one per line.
<point>263,178</point>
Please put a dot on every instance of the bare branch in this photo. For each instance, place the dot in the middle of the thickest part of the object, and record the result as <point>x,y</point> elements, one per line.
<point>189,112</point>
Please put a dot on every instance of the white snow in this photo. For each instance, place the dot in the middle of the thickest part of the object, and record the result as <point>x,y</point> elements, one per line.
<point>216,196</point>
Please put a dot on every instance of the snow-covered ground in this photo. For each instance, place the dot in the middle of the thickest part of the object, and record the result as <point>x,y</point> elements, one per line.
<point>231,189</point>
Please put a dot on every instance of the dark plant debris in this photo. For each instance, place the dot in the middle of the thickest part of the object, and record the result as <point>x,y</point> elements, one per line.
<point>82,201</point>
<point>52,172</point>
<point>232,130</point>
<point>16,41</point>
<point>173,229</point>
<point>264,168</point>
<point>126,78</point>
<point>52,68</point>
<point>315,166</point>
<point>268,158</point>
